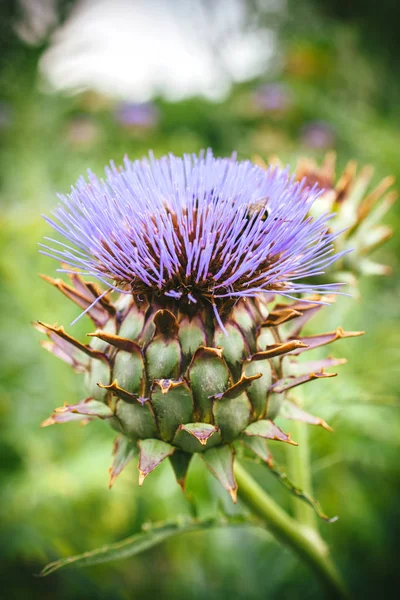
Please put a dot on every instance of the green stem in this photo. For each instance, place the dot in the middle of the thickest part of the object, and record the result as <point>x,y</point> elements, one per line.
<point>300,473</point>
<point>307,546</point>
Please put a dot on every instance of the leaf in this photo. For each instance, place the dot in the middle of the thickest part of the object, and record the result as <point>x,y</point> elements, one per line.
<point>121,393</point>
<point>238,388</point>
<point>314,366</point>
<point>299,493</point>
<point>197,437</point>
<point>117,341</point>
<point>268,430</point>
<point>83,297</point>
<point>234,346</point>
<point>307,311</point>
<point>172,403</point>
<point>59,336</point>
<point>68,357</point>
<point>191,335</point>
<point>232,416</point>
<point>289,410</point>
<point>147,538</point>
<point>180,463</point>
<point>152,453</point>
<point>220,462</point>
<point>163,354</point>
<point>315,341</point>
<point>259,446</point>
<point>86,409</point>
<point>258,391</point>
<point>89,407</point>
<point>124,450</point>
<point>279,349</point>
<point>287,383</point>
<point>280,316</point>
<point>208,375</point>
<point>137,420</point>
<point>128,370</point>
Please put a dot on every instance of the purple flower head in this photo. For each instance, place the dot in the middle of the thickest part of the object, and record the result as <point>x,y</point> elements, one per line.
<point>196,229</point>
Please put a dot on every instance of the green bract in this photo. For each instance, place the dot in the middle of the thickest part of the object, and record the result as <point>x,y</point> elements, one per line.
<point>174,384</point>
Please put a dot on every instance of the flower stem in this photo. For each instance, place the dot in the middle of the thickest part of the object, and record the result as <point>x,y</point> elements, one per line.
<point>300,473</point>
<point>307,546</point>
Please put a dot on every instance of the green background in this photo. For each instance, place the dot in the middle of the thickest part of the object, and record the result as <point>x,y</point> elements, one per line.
<point>54,495</point>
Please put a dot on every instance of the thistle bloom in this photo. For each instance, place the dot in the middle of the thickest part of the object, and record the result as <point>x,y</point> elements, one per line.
<point>197,229</point>
<point>192,355</point>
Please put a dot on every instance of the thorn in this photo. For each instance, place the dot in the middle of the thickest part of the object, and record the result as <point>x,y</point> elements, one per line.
<point>290,441</point>
<point>233,494</point>
<point>112,478</point>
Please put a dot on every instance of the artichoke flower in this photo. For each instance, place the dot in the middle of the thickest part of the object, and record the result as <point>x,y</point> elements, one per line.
<point>198,328</point>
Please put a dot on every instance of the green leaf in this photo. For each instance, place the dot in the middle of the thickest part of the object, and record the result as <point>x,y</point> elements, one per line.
<point>244,319</point>
<point>87,409</point>
<point>238,388</point>
<point>132,324</point>
<point>116,341</point>
<point>129,370</point>
<point>151,454</point>
<point>208,375</point>
<point>259,446</point>
<point>99,371</point>
<point>172,403</point>
<point>268,430</point>
<point>290,410</point>
<point>124,450</point>
<point>163,358</point>
<point>220,463</point>
<point>289,485</point>
<point>234,347</point>
<point>191,335</point>
<point>197,437</point>
<point>232,416</point>
<point>121,393</point>
<point>137,419</point>
<point>147,538</point>
<point>180,463</point>
<point>258,391</point>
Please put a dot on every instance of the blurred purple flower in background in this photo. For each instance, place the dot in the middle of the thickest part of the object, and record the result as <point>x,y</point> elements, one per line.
<point>318,135</point>
<point>272,98</point>
<point>133,116</point>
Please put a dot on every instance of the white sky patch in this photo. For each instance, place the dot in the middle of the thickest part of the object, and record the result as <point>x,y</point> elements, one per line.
<point>135,49</point>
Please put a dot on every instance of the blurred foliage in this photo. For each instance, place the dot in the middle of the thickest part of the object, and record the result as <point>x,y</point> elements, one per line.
<point>55,499</point>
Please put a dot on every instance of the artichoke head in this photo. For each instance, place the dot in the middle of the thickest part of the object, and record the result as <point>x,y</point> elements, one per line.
<point>173,382</point>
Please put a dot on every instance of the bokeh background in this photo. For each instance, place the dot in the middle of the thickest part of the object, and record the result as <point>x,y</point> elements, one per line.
<point>88,81</point>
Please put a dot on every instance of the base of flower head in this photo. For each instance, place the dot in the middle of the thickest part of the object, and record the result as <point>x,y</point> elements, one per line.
<point>174,384</point>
